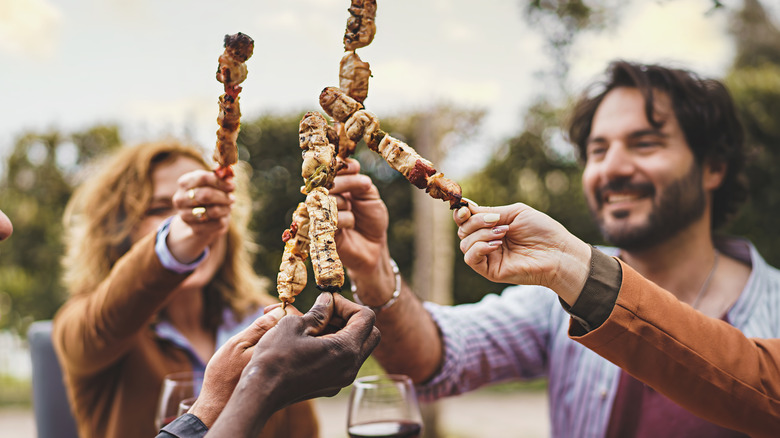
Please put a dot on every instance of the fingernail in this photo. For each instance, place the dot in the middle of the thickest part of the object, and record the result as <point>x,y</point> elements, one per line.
<point>324,298</point>
<point>470,202</point>
<point>494,243</point>
<point>463,212</point>
<point>278,313</point>
<point>491,217</point>
<point>500,229</point>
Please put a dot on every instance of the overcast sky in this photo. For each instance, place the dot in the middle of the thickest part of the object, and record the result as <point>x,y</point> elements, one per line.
<point>149,64</point>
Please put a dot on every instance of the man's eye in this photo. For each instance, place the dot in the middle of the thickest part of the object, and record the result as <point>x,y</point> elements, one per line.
<point>596,151</point>
<point>647,143</point>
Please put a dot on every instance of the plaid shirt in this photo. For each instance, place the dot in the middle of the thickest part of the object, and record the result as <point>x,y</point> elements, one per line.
<point>523,334</point>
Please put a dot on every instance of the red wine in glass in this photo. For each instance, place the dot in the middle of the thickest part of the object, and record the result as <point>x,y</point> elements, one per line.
<point>385,429</point>
<point>175,388</point>
<point>384,406</point>
<point>168,421</point>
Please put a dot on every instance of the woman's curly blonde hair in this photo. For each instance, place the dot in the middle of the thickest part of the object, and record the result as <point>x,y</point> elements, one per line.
<point>106,207</point>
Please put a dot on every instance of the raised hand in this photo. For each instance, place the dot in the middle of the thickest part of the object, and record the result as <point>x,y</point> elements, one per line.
<point>319,353</point>
<point>519,245</point>
<point>203,203</point>
<point>363,220</point>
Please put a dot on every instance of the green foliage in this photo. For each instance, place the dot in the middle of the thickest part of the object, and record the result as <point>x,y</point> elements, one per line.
<point>754,82</point>
<point>37,183</point>
<point>757,95</point>
<point>15,391</point>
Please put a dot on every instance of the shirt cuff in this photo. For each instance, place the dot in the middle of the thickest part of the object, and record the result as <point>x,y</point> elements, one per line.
<point>598,296</point>
<point>185,426</point>
<point>164,254</point>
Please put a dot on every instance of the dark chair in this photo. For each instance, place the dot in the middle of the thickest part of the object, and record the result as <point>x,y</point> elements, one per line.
<point>50,403</point>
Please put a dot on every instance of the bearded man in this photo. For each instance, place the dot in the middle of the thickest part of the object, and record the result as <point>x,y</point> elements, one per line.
<point>663,154</point>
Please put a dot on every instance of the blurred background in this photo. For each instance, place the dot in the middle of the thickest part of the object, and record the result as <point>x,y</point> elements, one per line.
<point>482,89</point>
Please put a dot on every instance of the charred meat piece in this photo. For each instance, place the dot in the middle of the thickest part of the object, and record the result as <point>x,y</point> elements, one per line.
<point>360,24</point>
<point>338,104</point>
<point>319,155</point>
<point>353,76</point>
<point>323,221</point>
<point>292,275</point>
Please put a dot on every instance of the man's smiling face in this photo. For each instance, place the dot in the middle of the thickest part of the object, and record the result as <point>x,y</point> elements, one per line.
<point>642,183</point>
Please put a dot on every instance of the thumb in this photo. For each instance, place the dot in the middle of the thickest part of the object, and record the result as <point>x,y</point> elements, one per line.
<point>261,325</point>
<point>317,318</point>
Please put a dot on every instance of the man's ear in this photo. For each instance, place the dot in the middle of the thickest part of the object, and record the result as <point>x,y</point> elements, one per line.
<point>713,174</point>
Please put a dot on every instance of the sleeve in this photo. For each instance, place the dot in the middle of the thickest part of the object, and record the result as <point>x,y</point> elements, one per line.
<point>498,338</point>
<point>164,253</point>
<point>94,329</point>
<point>733,382</point>
<point>599,294</point>
<point>185,426</point>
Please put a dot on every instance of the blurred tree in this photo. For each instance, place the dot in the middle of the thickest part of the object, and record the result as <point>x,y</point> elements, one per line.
<point>754,81</point>
<point>38,180</point>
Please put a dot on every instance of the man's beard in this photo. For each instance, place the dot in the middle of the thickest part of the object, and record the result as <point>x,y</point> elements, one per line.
<point>681,204</point>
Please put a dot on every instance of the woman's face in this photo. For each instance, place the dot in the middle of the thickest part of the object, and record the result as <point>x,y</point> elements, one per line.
<point>164,185</point>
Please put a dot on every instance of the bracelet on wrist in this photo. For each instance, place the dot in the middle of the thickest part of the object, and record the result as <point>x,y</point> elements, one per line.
<point>393,298</point>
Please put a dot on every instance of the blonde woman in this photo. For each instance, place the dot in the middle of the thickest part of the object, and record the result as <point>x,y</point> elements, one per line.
<point>159,272</point>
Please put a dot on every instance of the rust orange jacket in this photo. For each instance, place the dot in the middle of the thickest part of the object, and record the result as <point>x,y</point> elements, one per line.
<point>704,364</point>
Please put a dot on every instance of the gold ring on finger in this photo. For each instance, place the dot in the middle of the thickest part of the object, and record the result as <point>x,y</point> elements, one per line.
<point>200,213</point>
<point>191,194</point>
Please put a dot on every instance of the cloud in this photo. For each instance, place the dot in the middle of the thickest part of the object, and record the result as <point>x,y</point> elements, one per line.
<point>679,34</point>
<point>456,31</point>
<point>29,27</point>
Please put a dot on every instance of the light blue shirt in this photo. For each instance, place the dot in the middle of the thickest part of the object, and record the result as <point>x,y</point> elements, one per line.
<point>523,334</point>
<point>166,330</point>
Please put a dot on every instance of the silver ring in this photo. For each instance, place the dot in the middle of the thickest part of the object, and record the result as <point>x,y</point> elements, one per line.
<point>200,213</point>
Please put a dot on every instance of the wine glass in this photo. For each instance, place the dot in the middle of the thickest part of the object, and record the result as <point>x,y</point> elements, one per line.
<point>176,387</point>
<point>185,405</point>
<point>383,406</point>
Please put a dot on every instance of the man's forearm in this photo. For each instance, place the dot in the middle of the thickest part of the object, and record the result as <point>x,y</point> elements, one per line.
<point>411,343</point>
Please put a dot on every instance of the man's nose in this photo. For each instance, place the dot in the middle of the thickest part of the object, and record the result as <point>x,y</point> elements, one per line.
<point>618,161</point>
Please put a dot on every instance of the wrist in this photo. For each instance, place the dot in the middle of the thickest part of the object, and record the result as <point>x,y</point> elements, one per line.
<point>393,297</point>
<point>206,411</point>
<point>182,243</point>
<point>377,288</point>
<point>263,386</point>
<point>253,401</point>
<point>573,270</point>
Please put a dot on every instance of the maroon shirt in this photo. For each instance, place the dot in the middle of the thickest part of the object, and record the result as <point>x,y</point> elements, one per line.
<point>641,412</point>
